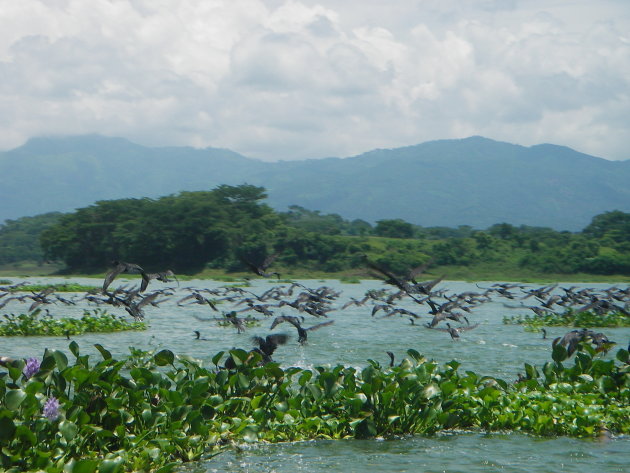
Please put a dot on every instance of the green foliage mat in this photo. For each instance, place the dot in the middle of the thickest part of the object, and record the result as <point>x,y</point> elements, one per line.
<point>96,321</point>
<point>65,287</point>
<point>155,410</point>
<point>570,319</point>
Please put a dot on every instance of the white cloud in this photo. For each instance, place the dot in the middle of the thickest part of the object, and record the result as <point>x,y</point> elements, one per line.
<point>305,78</point>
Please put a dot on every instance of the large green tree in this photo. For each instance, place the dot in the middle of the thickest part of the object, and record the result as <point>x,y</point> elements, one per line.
<point>19,239</point>
<point>394,228</point>
<point>183,232</point>
<point>613,226</point>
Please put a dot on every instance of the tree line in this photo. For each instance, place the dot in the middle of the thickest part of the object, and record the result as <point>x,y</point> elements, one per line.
<point>190,231</point>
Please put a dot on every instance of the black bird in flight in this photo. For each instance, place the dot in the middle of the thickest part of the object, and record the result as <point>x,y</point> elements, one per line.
<point>295,321</point>
<point>454,332</point>
<point>261,270</point>
<point>408,283</point>
<point>163,276</point>
<point>268,345</point>
<point>198,299</point>
<point>121,267</point>
<point>571,340</point>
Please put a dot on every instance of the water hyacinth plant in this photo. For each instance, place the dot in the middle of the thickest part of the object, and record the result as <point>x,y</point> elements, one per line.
<point>97,320</point>
<point>66,287</point>
<point>51,409</point>
<point>570,318</point>
<point>154,410</point>
<point>31,367</point>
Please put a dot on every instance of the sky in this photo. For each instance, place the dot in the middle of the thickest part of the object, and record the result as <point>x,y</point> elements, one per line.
<point>298,79</point>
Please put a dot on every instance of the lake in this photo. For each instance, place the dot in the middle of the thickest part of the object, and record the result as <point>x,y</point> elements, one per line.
<point>492,348</point>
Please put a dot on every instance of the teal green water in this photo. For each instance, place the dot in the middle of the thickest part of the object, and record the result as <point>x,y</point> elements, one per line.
<point>491,349</point>
<point>453,453</point>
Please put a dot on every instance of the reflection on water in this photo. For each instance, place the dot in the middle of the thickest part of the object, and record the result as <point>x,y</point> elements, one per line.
<point>491,349</point>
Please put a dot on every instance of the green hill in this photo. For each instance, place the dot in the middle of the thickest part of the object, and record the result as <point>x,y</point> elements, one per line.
<point>474,181</point>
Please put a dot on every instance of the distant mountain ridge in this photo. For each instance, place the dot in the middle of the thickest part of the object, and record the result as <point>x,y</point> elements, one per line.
<point>473,181</point>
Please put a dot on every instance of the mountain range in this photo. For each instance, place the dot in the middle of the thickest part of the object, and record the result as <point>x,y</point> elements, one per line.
<point>474,181</point>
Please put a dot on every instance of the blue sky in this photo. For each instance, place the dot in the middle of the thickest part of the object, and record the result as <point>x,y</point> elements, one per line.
<point>303,79</point>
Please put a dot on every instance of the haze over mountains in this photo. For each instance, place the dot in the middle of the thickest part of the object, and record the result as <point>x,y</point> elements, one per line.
<point>474,181</point>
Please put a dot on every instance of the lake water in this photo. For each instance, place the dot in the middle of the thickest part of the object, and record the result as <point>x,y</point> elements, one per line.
<point>492,348</point>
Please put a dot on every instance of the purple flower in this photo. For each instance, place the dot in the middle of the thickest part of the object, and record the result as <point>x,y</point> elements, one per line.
<point>32,367</point>
<point>51,408</point>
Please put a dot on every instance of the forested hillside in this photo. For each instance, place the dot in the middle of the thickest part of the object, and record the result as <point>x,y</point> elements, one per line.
<point>193,231</point>
<point>474,181</point>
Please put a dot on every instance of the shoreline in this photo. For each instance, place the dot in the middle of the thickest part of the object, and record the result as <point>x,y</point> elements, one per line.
<point>450,273</point>
<point>234,279</point>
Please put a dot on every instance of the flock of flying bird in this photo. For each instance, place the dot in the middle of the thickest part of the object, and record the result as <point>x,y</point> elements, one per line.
<point>401,292</point>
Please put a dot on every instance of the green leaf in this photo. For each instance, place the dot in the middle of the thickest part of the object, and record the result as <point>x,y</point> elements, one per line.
<point>15,372</point>
<point>583,361</point>
<point>84,466</point>
<point>431,390</point>
<point>7,429</point>
<point>238,356</point>
<point>256,401</point>
<point>74,348</point>
<point>104,353</point>
<point>222,377</point>
<point>559,353</point>
<point>448,387</point>
<point>304,377</point>
<point>414,354</point>
<point>243,381</point>
<point>530,371</point>
<point>365,429</point>
<point>168,467</point>
<point>48,362</point>
<point>111,466</point>
<point>60,359</point>
<point>68,429</point>
<point>164,357</point>
<point>454,364</point>
<point>315,390</point>
<point>274,370</point>
<point>623,356</point>
<point>216,358</point>
<point>250,435</point>
<point>23,433</point>
<point>14,398</point>
<point>607,384</point>
<point>367,374</point>
<point>33,387</point>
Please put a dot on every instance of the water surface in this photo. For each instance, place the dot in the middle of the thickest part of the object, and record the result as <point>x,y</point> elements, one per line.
<point>493,349</point>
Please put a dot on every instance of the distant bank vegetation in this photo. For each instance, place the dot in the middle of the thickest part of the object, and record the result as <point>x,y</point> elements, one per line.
<point>194,231</point>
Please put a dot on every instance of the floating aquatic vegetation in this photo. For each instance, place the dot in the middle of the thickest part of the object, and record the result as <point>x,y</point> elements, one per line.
<point>96,320</point>
<point>570,318</point>
<point>64,287</point>
<point>155,410</point>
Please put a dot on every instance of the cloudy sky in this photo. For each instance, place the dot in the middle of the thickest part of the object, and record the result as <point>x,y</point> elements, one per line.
<point>295,79</point>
